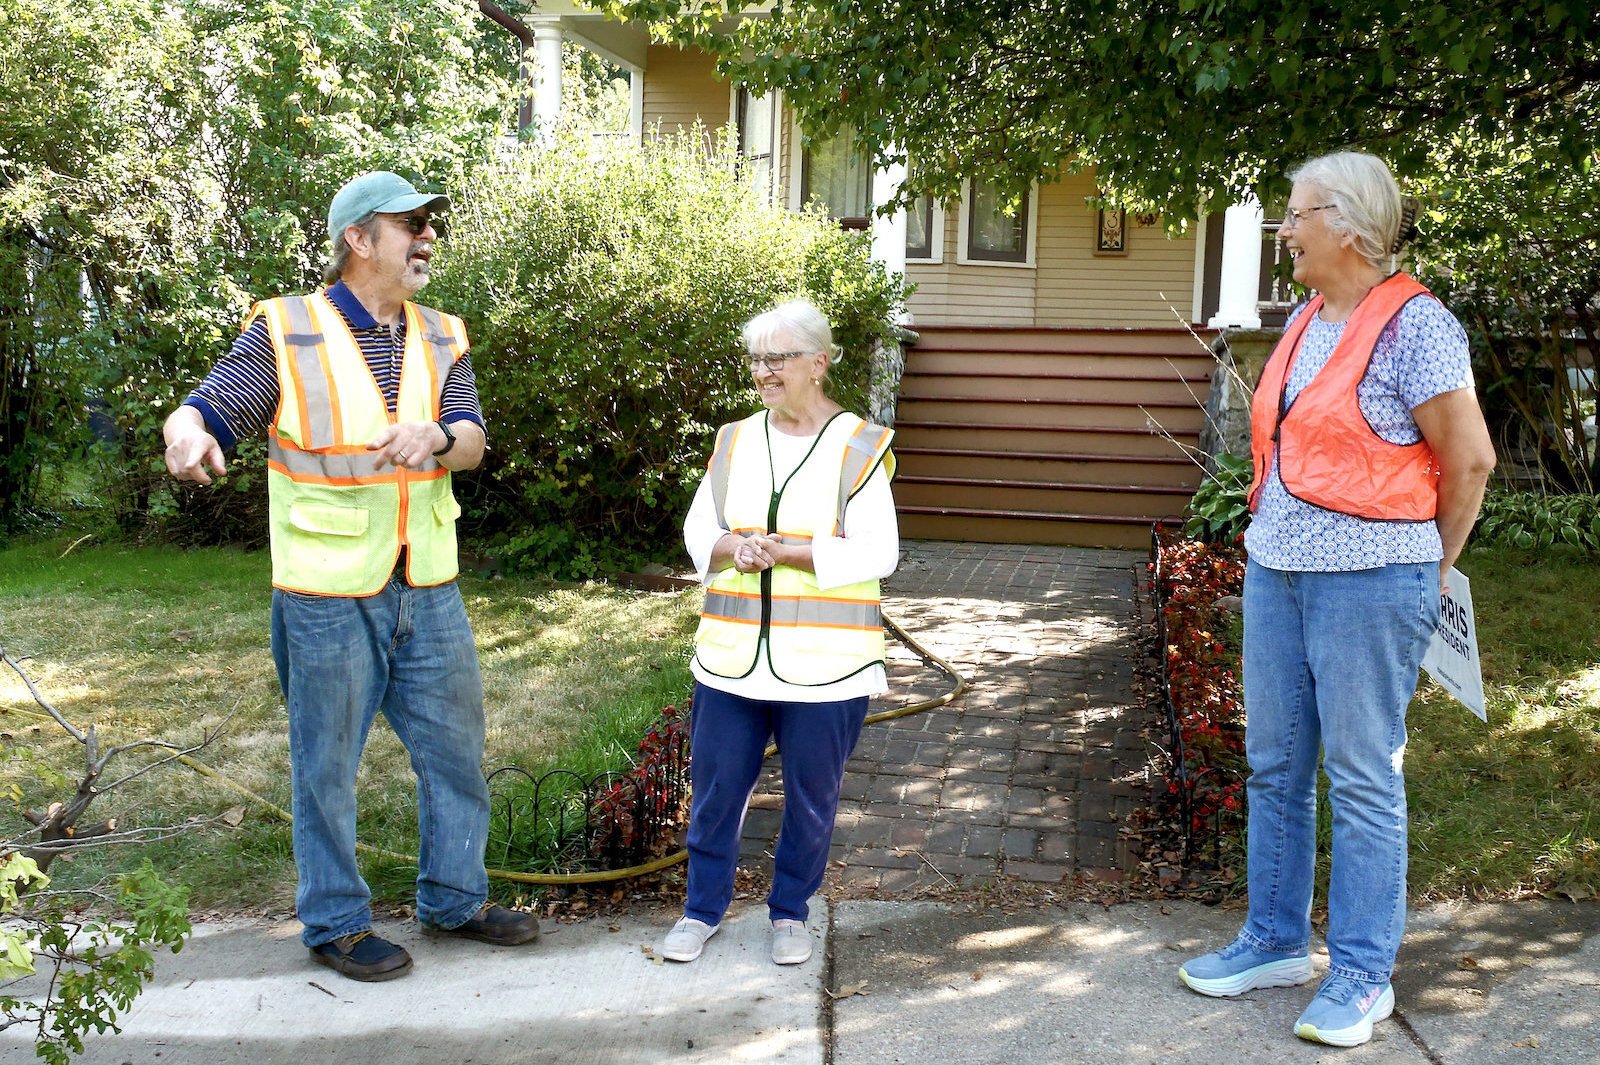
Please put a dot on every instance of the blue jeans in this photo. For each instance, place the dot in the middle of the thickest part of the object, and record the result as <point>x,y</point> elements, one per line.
<point>729,737</point>
<point>1330,664</point>
<point>409,653</point>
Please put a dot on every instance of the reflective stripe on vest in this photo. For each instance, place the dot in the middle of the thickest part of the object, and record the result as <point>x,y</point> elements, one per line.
<point>1327,454</point>
<point>337,522</point>
<point>833,613</point>
<point>812,636</point>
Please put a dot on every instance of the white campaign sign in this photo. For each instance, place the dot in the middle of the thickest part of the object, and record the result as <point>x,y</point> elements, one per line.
<point>1452,657</point>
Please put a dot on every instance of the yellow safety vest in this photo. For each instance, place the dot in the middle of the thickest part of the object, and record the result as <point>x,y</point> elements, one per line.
<point>337,523</point>
<point>814,636</point>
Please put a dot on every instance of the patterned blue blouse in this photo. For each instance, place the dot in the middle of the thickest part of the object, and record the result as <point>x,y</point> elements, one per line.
<point>1420,354</point>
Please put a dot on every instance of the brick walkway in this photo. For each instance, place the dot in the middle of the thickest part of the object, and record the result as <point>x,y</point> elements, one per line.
<point>1030,772</point>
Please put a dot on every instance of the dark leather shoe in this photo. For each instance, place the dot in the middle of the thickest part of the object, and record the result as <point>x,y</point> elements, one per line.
<point>492,924</point>
<point>364,956</point>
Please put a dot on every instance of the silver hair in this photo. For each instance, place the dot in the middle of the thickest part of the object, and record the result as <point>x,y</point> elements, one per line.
<point>804,324</point>
<point>334,269</point>
<point>1367,196</point>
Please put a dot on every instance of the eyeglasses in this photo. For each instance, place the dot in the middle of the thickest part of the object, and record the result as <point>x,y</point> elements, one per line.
<point>773,360</point>
<point>416,223</point>
<point>1298,214</point>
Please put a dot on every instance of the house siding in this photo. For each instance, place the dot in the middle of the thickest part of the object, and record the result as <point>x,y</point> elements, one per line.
<point>950,293</point>
<point>1076,287</point>
<point>1069,285</point>
<point>681,88</point>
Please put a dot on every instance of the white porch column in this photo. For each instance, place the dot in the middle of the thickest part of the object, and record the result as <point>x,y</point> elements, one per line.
<point>1240,284</point>
<point>888,248</point>
<point>547,88</point>
<point>636,104</point>
<point>889,231</point>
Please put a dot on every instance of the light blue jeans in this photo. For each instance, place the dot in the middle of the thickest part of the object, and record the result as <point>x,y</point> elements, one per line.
<point>1330,665</point>
<point>409,653</point>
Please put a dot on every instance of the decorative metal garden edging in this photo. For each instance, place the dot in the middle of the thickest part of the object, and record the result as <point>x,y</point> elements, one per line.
<point>578,828</point>
<point>1188,772</point>
<point>651,800</point>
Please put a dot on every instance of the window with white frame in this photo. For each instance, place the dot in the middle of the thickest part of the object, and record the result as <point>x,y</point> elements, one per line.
<point>995,229</point>
<point>756,118</point>
<point>834,172</point>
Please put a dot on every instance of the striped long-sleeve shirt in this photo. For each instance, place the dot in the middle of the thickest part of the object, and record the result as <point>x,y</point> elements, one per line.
<point>238,397</point>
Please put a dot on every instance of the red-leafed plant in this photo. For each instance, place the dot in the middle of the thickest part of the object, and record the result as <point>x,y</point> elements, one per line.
<point>1200,660</point>
<point>636,816</point>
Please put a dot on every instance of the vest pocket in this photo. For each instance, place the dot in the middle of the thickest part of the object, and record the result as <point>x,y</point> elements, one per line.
<point>328,521</point>
<point>446,509</point>
<point>326,550</point>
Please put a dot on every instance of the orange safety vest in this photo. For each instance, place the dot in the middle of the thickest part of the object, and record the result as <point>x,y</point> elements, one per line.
<point>1328,454</point>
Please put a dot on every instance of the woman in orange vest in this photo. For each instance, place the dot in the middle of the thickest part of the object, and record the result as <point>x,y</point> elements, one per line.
<point>791,530</point>
<point>1371,457</point>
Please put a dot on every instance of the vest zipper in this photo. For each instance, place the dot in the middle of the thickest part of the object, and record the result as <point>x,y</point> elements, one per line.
<point>405,505</point>
<point>766,574</point>
<point>772,525</point>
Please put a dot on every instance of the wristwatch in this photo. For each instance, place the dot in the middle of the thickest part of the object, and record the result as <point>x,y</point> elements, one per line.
<point>449,437</point>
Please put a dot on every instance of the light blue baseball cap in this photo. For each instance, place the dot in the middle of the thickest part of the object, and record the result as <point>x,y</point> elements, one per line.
<point>378,191</point>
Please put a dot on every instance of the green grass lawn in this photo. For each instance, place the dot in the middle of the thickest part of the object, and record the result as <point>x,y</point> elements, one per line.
<point>1513,806</point>
<point>148,642</point>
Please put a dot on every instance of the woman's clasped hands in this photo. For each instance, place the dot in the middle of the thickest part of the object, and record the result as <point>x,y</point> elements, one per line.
<point>753,554</point>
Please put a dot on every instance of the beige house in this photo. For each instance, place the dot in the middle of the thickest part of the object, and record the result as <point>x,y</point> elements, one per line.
<point>1056,386</point>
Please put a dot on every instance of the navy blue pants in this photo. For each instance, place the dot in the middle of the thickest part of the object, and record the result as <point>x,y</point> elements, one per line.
<point>729,736</point>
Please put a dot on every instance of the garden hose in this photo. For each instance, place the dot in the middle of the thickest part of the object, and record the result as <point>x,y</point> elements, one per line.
<point>605,876</point>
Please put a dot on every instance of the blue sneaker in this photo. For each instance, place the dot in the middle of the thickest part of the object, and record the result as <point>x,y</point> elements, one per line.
<point>1343,1012</point>
<point>1240,967</point>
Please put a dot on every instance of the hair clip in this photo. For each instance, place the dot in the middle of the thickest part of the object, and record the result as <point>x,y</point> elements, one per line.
<point>1410,207</point>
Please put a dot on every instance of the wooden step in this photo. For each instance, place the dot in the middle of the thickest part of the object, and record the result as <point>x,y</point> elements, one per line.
<point>1162,471</point>
<point>1175,392</point>
<point>1052,413</point>
<point>1109,341</point>
<point>1060,529</point>
<point>1123,367</point>
<point>1051,436</point>
<point>1086,440</point>
<point>1042,497</point>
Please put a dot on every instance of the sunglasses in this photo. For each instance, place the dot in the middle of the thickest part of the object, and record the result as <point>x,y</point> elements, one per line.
<point>416,223</point>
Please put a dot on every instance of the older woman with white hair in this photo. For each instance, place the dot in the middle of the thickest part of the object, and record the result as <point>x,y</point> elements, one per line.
<point>1371,457</point>
<point>791,530</point>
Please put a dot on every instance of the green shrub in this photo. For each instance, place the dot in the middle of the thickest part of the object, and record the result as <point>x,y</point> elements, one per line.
<point>1220,509</point>
<point>603,292</point>
<point>1531,520</point>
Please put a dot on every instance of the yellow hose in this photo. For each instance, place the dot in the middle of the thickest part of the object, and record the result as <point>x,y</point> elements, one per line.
<point>607,875</point>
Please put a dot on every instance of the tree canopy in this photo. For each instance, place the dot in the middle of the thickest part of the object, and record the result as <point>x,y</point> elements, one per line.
<point>1171,103</point>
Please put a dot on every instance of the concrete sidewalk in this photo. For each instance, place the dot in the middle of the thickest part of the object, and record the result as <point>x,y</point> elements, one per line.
<point>1085,983</point>
<point>247,993</point>
<point>920,982</point>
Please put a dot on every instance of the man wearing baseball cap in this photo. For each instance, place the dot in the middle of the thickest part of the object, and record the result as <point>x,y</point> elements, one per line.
<point>368,402</point>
